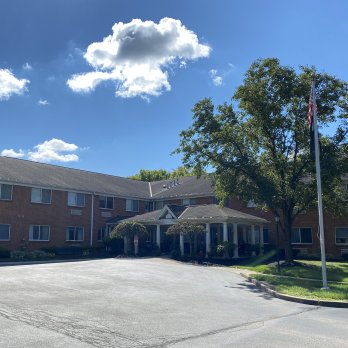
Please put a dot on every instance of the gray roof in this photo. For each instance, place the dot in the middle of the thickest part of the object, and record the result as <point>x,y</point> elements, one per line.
<point>29,173</point>
<point>202,213</point>
<point>189,186</point>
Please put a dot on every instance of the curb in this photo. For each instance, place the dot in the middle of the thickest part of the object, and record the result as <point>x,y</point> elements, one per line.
<point>40,262</point>
<point>268,289</point>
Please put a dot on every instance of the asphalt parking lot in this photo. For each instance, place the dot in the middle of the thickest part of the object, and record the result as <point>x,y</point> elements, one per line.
<point>153,303</point>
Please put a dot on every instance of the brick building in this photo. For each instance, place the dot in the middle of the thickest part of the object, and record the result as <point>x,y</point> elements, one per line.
<point>44,206</point>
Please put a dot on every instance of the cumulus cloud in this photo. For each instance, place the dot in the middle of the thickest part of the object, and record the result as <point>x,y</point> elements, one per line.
<point>217,80</point>
<point>136,56</point>
<point>13,153</point>
<point>10,85</point>
<point>43,102</point>
<point>54,150</point>
<point>27,66</point>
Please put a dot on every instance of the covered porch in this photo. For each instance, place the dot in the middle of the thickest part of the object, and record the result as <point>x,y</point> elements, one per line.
<point>223,226</point>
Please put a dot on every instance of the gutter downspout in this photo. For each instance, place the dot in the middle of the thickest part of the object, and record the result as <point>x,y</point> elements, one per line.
<point>92,217</point>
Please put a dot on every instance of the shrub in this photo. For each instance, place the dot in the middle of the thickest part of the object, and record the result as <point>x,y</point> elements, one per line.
<point>4,253</point>
<point>175,254</point>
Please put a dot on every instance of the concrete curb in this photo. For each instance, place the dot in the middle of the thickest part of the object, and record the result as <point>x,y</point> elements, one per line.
<point>41,262</point>
<point>269,290</point>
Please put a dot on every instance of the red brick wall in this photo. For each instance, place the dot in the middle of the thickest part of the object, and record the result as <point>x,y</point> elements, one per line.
<point>20,213</point>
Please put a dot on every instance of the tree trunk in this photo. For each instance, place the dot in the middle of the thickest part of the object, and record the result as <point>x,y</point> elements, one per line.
<point>289,256</point>
<point>136,245</point>
<point>125,245</point>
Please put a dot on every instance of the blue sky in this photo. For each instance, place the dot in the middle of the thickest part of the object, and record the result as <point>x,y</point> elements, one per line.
<point>116,105</point>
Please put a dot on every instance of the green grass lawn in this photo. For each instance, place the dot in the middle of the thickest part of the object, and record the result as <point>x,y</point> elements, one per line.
<point>337,272</point>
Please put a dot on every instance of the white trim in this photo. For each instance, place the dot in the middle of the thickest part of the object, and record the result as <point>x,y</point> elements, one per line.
<point>133,211</point>
<point>113,202</point>
<point>294,243</point>
<point>39,240</point>
<point>336,237</point>
<point>4,199</point>
<point>75,240</point>
<point>75,205</point>
<point>40,188</point>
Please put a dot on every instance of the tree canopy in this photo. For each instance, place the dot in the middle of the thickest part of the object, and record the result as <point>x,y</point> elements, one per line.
<point>128,229</point>
<point>161,174</point>
<point>259,144</point>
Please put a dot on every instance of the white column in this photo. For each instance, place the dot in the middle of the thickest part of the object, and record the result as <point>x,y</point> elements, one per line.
<point>235,241</point>
<point>182,244</point>
<point>207,239</point>
<point>136,245</point>
<point>158,236</point>
<point>224,232</point>
<point>253,238</point>
<point>125,245</point>
<point>261,239</point>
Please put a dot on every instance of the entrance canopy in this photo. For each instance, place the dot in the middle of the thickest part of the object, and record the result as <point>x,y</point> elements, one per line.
<point>210,213</point>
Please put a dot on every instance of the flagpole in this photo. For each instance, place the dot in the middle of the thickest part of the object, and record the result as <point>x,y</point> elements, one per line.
<point>320,201</point>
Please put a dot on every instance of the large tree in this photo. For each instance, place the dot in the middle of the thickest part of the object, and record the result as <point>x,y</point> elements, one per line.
<point>161,174</point>
<point>259,144</point>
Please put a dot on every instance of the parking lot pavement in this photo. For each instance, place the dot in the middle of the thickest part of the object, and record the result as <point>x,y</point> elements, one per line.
<point>152,303</point>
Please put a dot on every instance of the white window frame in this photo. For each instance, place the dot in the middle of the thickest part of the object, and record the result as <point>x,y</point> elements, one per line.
<point>9,232</point>
<point>75,229</point>
<point>300,242</point>
<point>41,189</point>
<point>31,239</point>
<point>74,194</point>
<point>103,232</point>
<point>336,235</point>
<point>106,200</point>
<point>131,202</point>
<point>6,199</point>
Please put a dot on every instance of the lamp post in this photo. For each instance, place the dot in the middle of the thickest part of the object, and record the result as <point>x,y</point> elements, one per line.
<point>277,230</point>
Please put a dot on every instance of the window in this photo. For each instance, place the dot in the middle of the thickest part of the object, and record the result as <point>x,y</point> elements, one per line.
<point>159,205</point>
<point>342,235</point>
<point>266,235</point>
<point>39,233</point>
<point>189,201</point>
<point>301,235</point>
<point>149,206</point>
<point>74,234</point>
<point>39,195</point>
<point>132,205</point>
<point>5,192</point>
<point>106,202</point>
<point>76,199</point>
<point>4,232</point>
<point>102,233</point>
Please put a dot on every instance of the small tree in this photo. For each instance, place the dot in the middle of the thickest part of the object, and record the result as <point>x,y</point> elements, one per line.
<point>128,230</point>
<point>189,229</point>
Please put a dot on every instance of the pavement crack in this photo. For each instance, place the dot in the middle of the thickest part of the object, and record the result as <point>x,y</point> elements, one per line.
<point>249,325</point>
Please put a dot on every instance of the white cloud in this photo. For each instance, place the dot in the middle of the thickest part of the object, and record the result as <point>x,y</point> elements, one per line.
<point>136,56</point>
<point>51,150</point>
<point>27,66</point>
<point>10,85</point>
<point>54,150</point>
<point>12,153</point>
<point>217,80</point>
<point>43,102</point>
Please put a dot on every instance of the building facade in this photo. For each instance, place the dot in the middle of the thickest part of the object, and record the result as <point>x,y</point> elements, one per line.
<point>45,206</point>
